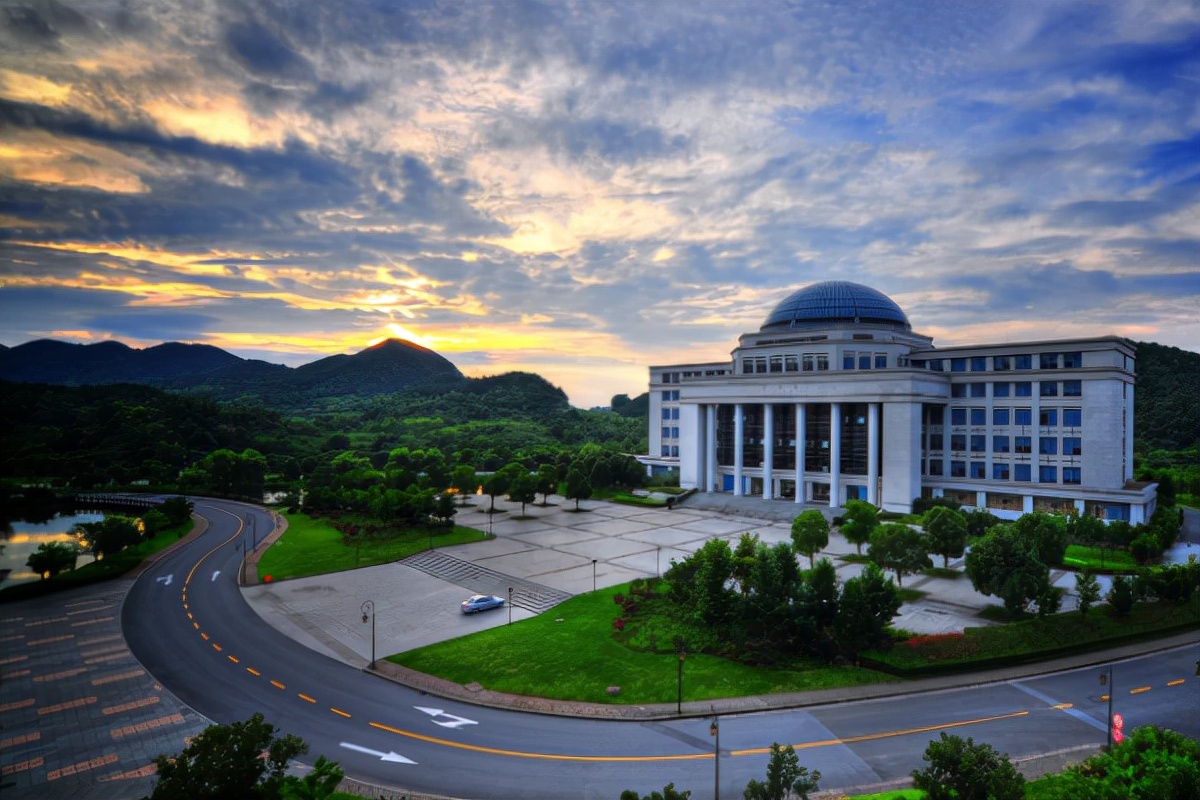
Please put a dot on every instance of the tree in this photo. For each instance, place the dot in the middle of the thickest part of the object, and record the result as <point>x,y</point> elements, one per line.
<point>154,521</point>
<point>980,521</point>
<point>1152,762</point>
<point>947,531</point>
<point>1120,596</point>
<point>859,519</point>
<point>810,533</point>
<point>547,481</point>
<point>108,536</point>
<point>669,792</point>
<point>962,770</point>
<point>578,487</point>
<point>1087,589</point>
<point>866,609</point>
<point>786,779</point>
<point>899,548</point>
<point>1006,565</point>
<point>177,509</point>
<point>495,485</point>
<point>227,761</point>
<point>320,783</point>
<point>51,558</point>
<point>465,481</point>
<point>523,489</point>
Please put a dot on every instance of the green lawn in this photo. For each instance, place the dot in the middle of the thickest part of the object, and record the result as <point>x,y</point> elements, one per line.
<point>570,653</point>
<point>314,547</point>
<point>1097,558</point>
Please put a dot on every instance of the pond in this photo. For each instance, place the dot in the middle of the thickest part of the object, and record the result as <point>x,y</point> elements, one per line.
<point>20,539</point>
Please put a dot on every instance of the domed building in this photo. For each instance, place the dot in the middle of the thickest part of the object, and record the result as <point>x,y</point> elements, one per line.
<point>836,398</point>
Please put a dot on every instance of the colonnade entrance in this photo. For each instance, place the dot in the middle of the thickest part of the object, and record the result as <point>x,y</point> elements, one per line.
<point>805,452</point>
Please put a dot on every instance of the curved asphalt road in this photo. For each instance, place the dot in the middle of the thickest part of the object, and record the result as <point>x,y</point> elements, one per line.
<point>186,622</point>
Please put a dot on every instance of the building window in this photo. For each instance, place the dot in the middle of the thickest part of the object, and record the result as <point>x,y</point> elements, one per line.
<point>1000,389</point>
<point>958,416</point>
<point>999,472</point>
<point>674,451</point>
<point>864,360</point>
<point>935,441</point>
<point>979,416</point>
<point>675,395</point>
<point>1072,446</point>
<point>979,364</point>
<point>747,366</point>
<point>1023,389</point>
<point>880,361</point>
<point>1072,388</point>
<point>666,451</point>
<point>1000,416</point>
<point>937,365</point>
<point>1021,472</point>
<point>822,362</point>
<point>1072,475</point>
<point>1001,363</point>
<point>760,364</point>
<point>776,363</point>
<point>958,390</point>
<point>1072,361</point>
<point>935,466</point>
<point>1072,417</point>
<point>1048,361</point>
<point>674,433</point>
<point>791,364</point>
<point>1022,416</point>
<point>978,390</point>
<point>666,433</point>
<point>806,362</point>
<point>674,413</point>
<point>1048,446</point>
<point>958,442</point>
<point>958,469</point>
<point>936,414</point>
<point>1022,362</point>
<point>666,395</point>
<point>848,360</point>
<point>1023,444</point>
<point>1048,389</point>
<point>978,443</point>
<point>958,365</point>
<point>1048,418</point>
<point>999,444</point>
<point>978,470</point>
<point>1047,474</point>
<point>666,413</point>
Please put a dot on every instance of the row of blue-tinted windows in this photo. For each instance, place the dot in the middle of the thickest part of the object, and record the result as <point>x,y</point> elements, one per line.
<point>1047,445</point>
<point>1023,473</point>
<point>864,360</point>
<point>1004,363</point>
<point>670,413</point>
<point>671,451</point>
<point>670,433</point>
<point>1047,417</point>
<point>670,394</point>
<point>1018,389</point>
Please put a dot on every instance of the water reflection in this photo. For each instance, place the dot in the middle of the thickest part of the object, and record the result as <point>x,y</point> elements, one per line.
<point>20,539</point>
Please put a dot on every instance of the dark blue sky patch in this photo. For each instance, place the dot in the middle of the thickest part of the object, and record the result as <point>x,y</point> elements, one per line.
<point>263,52</point>
<point>147,324</point>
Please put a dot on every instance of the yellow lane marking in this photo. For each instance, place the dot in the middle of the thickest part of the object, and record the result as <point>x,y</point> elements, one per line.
<point>306,698</point>
<point>233,659</point>
<point>278,685</point>
<point>339,712</point>
<point>253,671</point>
<point>1139,690</point>
<point>196,625</point>
<point>687,757</point>
<point>204,636</point>
<point>1103,697</point>
<point>1061,706</point>
<point>1177,682</point>
<point>216,647</point>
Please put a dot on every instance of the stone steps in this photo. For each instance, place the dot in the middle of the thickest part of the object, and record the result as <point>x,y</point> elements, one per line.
<point>526,594</point>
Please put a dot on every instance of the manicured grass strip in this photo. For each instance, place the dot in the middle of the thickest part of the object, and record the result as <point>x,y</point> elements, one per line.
<point>314,547</point>
<point>637,500</point>
<point>1079,556</point>
<point>895,794</point>
<point>113,566</point>
<point>577,658</point>
<point>1034,639</point>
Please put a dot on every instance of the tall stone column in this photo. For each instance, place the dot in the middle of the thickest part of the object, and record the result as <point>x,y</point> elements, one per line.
<point>800,439</point>
<point>873,453</point>
<point>835,455</point>
<point>945,441</point>
<point>768,450</point>
<point>710,457</point>
<point>739,425</point>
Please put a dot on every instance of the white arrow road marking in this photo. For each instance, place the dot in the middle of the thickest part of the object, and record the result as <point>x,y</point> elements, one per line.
<point>448,720</point>
<point>391,756</point>
<point>215,574</point>
<point>165,580</point>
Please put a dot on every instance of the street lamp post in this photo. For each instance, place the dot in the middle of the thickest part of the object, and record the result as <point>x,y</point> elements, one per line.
<point>510,605</point>
<point>657,558</point>
<point>1106,680</point>
<point>714,730</point>
<point>679,679</point>
<point>368,610</point>
<point>253,532</point>
<point>593,574</point>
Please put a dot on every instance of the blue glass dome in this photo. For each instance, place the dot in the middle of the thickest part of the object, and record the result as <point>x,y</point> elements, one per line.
<point>836,302</point>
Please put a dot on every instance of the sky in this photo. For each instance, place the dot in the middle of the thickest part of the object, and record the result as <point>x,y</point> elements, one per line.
<point>585,189</point>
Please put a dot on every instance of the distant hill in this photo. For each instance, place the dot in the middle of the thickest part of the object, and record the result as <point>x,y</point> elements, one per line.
<point>390,366</point>
<point>1166,402</point>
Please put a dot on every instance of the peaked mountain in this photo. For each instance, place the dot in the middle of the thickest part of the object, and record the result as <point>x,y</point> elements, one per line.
<point>390,366</point>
